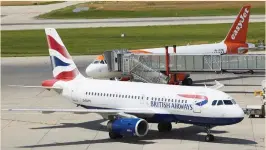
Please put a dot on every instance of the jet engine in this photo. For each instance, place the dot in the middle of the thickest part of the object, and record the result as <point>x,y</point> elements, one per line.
<point>128,127</point>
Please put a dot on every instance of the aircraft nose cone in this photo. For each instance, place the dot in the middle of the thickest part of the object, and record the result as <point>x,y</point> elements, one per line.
<point>240,112</point>
<point>90,70</point>
<point>239,115</point>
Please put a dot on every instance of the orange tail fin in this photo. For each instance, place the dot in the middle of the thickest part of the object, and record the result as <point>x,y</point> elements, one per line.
<point>238,31</point>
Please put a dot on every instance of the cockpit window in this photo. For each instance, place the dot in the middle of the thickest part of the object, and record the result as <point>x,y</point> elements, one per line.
<point>228,102</point>
<point>234,102</point>
<point>220,102</point>
<point>214,102</point>
<point>96,62</point>
<point>101,62</point>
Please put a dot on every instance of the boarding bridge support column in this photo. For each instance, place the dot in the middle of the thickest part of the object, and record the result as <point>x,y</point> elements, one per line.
<point>167,61</point>
<point>174,46</point>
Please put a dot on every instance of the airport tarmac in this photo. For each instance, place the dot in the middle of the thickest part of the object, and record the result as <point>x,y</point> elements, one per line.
<point>22,130</point>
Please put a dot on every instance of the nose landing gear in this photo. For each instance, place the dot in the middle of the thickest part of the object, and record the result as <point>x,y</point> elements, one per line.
<point>209,137</point>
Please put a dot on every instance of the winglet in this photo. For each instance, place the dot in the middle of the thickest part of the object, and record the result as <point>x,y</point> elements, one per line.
<point>217,85</point>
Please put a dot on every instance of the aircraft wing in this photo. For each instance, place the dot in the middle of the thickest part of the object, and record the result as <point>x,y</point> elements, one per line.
<point>86,111</point>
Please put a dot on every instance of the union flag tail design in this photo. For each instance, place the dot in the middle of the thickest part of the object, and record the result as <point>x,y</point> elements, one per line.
<point>238,31</point>
<point>63,66</point>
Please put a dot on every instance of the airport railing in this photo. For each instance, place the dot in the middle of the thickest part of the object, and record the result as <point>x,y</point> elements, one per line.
<point>136,67</point>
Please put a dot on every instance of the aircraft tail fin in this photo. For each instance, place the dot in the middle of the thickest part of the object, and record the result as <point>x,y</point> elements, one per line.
<point>238,31</point>
<point>63,66</point>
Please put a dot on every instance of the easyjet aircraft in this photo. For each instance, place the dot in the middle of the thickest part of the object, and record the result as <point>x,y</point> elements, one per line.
<point>234,43</point>
<point>130,106</point>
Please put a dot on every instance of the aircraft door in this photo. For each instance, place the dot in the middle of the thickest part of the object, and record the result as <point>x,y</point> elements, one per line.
<point>198,101</point>
<point>74,95</point>
<point>196,106</point>
<point>142,99</point>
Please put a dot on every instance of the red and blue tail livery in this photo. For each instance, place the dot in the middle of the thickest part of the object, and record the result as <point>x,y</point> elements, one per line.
<point>63,66</point>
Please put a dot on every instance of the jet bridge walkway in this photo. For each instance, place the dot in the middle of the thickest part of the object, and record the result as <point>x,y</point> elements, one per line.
<point>149,67</point>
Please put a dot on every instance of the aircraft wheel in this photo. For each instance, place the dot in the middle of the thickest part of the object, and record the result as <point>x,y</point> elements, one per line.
<point>209,138</point>
<point>251,116</point>
<point>113,135</point>
<point>163,127</point>
<point>184,82</point>
<point>189,81</point>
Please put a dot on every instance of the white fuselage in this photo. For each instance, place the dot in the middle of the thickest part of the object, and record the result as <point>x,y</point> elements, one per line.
<point>216,48</point>
<point>165,99</point>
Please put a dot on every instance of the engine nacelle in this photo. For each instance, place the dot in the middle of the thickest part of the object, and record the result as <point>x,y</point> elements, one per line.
<point>129,126</point>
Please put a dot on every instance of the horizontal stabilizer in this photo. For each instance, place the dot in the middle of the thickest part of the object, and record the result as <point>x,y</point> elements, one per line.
<point>251,48</point>
<point>44,87</point>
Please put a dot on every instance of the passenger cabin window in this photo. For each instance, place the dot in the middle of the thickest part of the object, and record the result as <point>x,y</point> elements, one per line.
<point>214,102</point>
<point>220,102</point>
<point>228,102</point>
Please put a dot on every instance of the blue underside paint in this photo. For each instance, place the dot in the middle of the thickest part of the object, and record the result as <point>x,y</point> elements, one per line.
<point>197,120</point>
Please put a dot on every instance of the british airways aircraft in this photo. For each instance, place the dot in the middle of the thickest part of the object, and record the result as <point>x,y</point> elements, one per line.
<point>131,106</point>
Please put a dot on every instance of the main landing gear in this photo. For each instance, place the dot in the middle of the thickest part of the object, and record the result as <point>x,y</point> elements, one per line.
<point>164,127</point>
<point>209,137</point>
<point>113,135</point>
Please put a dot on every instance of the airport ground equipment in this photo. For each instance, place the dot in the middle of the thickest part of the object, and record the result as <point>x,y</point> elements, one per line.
<point>259,110</point>
<point>151,67</point>
<point>253,110</point>
<point>261,93</point>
